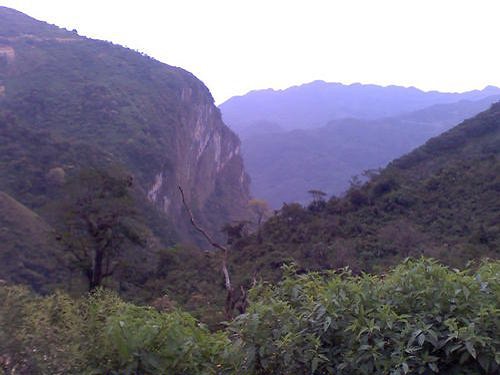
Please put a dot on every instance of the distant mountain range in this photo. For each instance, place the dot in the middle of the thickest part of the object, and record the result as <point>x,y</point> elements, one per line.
<point>440,200</point>
<point>320,135</point>
<point>316,103</point>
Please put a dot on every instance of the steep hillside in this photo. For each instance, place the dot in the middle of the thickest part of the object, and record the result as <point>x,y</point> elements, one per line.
<point>43,170</point>
<point>30,253</point>
<point>157,120</point>
<point>316,103</point>
<point>441,200</point>
<point>285,165</point>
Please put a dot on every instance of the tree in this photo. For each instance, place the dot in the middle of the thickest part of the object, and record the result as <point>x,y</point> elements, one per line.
<point>261,211</point>
<point>100,220</point>
<point>317,195</point>
<point>318,200</point>
<point>235,231</point>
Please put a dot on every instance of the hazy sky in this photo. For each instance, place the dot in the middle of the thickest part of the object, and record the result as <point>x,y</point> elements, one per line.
<point>235,46</point>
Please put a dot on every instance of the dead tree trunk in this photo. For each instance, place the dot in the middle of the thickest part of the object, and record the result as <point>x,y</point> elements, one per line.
<point>230,293</point>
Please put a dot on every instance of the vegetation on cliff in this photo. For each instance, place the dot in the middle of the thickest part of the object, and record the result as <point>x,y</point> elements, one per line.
<point>71,106</point>
<point>157,121</point>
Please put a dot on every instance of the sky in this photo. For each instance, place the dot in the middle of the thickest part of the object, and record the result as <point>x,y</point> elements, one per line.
<point>235,46</point>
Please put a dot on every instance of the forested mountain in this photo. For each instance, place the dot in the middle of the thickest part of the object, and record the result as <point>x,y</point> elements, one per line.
<point>285,165</point>
<point>72,106</point>
<point>441,200</point>
<point>316,103</point>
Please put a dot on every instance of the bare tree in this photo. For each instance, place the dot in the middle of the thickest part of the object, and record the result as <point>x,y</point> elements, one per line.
<point>231,301</point>
<point>317,195</point>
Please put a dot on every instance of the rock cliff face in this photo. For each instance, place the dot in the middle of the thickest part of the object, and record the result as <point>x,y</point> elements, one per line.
<point>206,163</point>
<point>157,120</point>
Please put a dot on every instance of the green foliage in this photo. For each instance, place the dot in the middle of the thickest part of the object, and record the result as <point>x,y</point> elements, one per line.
<point>53,332</point>
<point>29,156</point>
<point>148,342</point>
<point>48,176</point>
<point>102,334</point>
<point>420,318</point>
<point>12,316</point>
<point>191,278</point>
<point>30,252</point>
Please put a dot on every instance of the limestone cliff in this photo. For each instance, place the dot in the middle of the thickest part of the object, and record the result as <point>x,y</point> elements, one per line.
<point>206,163</point>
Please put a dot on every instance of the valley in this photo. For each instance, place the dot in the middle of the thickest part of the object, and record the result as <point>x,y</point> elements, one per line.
<point>286,158</point>
<point>325,228</point>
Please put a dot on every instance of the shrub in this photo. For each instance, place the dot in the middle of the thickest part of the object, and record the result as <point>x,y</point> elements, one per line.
<point>420,318</point>
<point>101,334</point>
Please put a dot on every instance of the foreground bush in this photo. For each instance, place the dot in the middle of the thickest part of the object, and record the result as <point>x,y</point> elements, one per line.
<point>421,318</point>
<point>101,335</point>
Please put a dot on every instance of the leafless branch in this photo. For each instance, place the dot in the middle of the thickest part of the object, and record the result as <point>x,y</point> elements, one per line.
<point>210,241</point>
